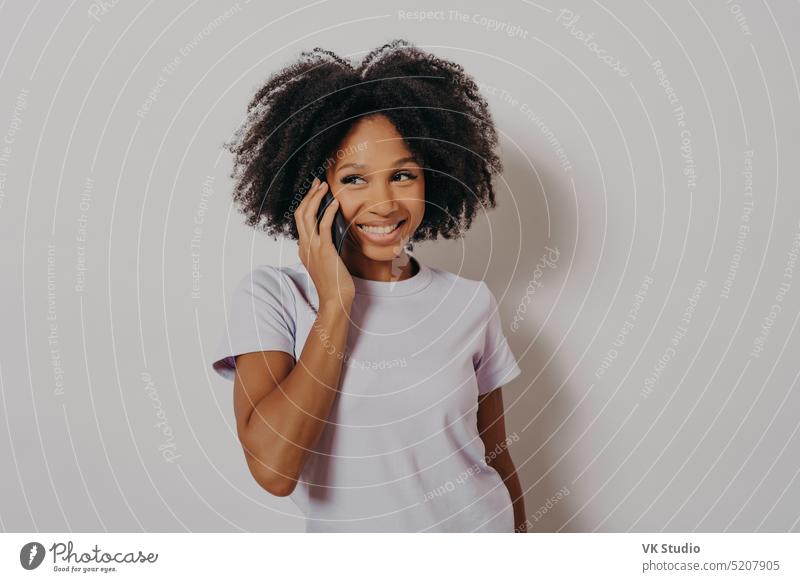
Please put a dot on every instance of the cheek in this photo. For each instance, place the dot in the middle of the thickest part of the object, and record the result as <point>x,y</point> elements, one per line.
<point>344,197</point>
<point>348,207</point>
<point>418,202</point>
<point>417,206</point>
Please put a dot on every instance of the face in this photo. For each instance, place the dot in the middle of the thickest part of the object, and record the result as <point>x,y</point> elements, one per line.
<point>380,188</point>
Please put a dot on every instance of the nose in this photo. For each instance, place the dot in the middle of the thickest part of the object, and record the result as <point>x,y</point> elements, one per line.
<point>381,199</point>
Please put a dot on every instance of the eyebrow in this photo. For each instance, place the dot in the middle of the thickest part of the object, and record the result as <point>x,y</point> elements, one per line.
<point>357,165</point>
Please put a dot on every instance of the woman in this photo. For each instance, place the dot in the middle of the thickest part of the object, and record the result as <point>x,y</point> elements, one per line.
<point>366,383</point>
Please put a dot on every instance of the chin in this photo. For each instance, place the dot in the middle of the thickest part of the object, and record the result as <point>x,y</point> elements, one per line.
<point>382,253</point>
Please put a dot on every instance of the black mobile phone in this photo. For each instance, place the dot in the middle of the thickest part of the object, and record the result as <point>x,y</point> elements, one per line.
<point>339,227</point>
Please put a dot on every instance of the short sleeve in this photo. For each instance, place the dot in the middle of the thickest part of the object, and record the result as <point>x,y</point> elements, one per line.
<point>495,364</point>
<point>260,318</point>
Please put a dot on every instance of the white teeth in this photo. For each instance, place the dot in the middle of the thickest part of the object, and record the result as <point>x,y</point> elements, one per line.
<point>378,229</point>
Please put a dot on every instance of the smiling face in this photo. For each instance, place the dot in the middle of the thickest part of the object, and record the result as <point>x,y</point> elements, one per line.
<point>381,191</point>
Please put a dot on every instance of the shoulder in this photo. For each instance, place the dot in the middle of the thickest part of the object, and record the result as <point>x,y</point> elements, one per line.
<point>270,283</point>
<point>261,278</point>
<point>270,277</point>
<point>474,291</point>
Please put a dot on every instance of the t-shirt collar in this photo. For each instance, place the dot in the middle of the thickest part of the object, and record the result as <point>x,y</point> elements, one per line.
<point>395,288</point>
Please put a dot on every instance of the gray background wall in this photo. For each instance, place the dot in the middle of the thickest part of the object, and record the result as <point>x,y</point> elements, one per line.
<point>665,176</point>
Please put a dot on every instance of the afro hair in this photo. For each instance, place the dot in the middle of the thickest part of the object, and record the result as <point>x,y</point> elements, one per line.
<point>299,117</point>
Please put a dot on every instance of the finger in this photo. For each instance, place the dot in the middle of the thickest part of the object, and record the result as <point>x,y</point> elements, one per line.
<point>299,212</point>
<point>307,199</point>
<point>326,224</point>
<point>310,216</point>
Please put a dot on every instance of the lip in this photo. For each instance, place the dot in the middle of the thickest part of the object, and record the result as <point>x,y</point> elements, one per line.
<point>381,223</point>
<point>382,239</point>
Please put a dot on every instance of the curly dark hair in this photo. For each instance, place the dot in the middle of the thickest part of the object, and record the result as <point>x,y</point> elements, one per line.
<point>302,113</point>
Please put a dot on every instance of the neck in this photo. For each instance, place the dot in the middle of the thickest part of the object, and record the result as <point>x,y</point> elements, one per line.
<point>397,269</point>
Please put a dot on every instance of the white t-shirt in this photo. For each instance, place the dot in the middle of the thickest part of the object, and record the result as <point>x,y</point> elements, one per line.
<point>401,451</point>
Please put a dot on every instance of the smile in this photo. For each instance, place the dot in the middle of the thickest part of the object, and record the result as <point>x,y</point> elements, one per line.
<point>381,235</point>
<point>388,229</point>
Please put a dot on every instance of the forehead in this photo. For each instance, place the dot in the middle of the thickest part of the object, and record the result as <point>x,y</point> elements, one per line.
<point>371,139</point>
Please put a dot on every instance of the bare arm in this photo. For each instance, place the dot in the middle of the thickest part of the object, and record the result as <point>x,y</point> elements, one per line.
<point>492,430</point>
<point>282,407</point>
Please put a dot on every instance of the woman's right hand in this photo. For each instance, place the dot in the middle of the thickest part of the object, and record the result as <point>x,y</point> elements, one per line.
<point>317,251</point>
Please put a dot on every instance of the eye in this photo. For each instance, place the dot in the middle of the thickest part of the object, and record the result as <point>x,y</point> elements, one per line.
<point>351,179</point>
<point>404,176</point>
